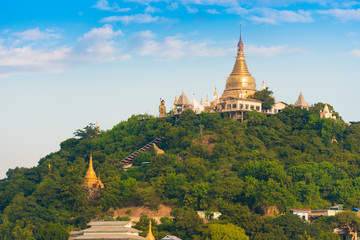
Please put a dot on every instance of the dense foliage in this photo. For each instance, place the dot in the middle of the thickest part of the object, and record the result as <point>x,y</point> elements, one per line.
<point>251,171</point>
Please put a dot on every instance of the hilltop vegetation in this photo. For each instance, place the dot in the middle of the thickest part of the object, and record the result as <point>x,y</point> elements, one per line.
<point>246,170</point>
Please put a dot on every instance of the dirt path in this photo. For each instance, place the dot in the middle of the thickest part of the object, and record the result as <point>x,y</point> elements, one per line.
<point>135,212</point>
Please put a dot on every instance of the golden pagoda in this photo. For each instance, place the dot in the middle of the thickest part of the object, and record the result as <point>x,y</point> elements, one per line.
<point>90,179</point>
<point>240,83</point>
<point>150,236</point>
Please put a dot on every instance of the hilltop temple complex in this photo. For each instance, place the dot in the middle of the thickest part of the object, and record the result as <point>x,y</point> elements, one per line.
<point>237,97</point>
<point>239,88</point>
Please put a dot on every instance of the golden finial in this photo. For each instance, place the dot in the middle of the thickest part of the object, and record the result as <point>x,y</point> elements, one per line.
<point>49,166</point>
<point>175,102</point>
<point>100,184</point>
<point>207,101</point>
<point>150,236</point>
<point>201,102</point>
<point>97,129</point>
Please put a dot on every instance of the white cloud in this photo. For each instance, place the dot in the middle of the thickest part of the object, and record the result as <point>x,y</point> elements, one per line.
<point>96,45</point>
<point>173,6</point>
<point>212,11</point>
<point>28,57</point>
<point>23,60</point>
<point>126,57</point>
<point>150,9</point>
<point>194,2</point>
<point>191,10</point>
<point>104,5</point>
<point>35,34</point>
<point>137,18</point>
<point>352,34</point>
<point>211,2</point>
<point>273,50</point>
<point>273,16</point>
<point>236,10</point>
<point>355,52</point>
<point>342,14</point>
<point>173,47</point>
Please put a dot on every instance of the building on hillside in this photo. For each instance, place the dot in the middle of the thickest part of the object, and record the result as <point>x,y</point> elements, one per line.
<point>208,215</point>
<point>301,103</point>
<point>182,104</point>
<point>90,179</point>
<point>114,230</point>
<point>312,215</point>
<point>236,106</point>
<point>326,113</point>
<point>302,213</point>
<point>278,107</point>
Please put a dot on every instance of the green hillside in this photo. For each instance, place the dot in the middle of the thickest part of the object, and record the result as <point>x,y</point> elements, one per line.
<point>252,172</point>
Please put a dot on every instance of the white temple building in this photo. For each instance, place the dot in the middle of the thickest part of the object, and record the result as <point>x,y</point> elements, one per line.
<point>326,113</point>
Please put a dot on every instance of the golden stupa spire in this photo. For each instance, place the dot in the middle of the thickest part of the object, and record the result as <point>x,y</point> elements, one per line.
<point>207,101</point>
<point>215,97</point>
<point>90,177</point>
<point>150,236</point>
<point>97,129</point>
<point>201,102</point>
<point>175,102</point>
<point>240,67</point>
<point>240,80</point>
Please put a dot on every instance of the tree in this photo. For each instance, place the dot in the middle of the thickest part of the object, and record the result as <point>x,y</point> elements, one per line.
<point>52,231</point>
<point>228,231</point>
<point>266,97</point>
<point>349,222</point>
<point>89,132</point>
<point>187,223</point>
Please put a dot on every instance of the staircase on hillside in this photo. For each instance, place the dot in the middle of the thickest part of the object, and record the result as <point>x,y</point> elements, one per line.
<point>130,158</point>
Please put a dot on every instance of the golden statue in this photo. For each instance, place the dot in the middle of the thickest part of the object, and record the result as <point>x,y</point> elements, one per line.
<point>162,109</point>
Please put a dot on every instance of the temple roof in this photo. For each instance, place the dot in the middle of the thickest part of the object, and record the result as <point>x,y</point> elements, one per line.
<point>300,102</point>
<point>183,100</point>
<point>119,230</point>
<point>326,109</point>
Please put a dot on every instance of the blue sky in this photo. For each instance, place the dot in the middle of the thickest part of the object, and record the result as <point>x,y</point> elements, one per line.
<point>65,64</point>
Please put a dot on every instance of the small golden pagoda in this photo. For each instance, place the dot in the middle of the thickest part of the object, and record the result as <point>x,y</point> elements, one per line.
<point>240,83</point>
<point>150,236</point>
<point>90,179</point>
